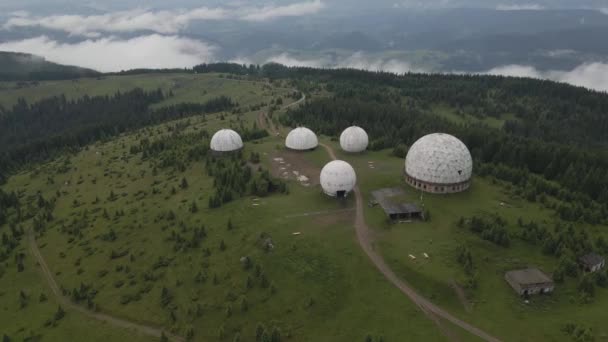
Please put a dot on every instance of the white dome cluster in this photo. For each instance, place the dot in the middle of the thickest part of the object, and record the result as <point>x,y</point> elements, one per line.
<point>338,178</point>
<point>301,139</point>
<point>226,140</point>
<point>439,163</point>
<point>354,139</point>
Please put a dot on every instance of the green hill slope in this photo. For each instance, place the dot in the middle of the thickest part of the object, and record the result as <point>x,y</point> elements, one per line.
<point>21,66</point>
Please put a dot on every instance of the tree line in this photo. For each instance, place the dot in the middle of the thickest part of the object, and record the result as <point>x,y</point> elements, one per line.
<point>573,173</point>
<point>34,132</point>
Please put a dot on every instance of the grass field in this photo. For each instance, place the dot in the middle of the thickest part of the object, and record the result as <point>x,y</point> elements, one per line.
<point>321,286</point>
<point>315,286</point>
<point>196,88</point>
<point>493,305</point>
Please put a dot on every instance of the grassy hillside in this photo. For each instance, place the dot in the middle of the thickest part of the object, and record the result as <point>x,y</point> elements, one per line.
<point>126,227</point>
<point>186,87</point>
<point>25,67</point>
<point>492,304</point>
<point>315,286</point>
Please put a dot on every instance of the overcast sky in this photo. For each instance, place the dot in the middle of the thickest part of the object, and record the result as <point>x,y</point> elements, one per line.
<point>107,5</point>
<point>155,40</point>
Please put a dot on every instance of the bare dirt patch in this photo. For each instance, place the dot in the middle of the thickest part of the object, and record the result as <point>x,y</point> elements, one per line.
<point>291,165</point>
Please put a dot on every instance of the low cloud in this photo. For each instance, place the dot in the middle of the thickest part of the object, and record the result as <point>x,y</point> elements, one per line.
<point>287,60</point>
<point>293,10</point>
<point>164,22</point>
<point>363,62</point>
<point>604,10</point>
<point>589,75</point>
<point>111,54</point>
<point>522,7</point>
<point>358,60</point>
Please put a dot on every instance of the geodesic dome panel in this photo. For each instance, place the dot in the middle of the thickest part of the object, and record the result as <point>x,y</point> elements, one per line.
<point>301,139</point>
<point>354,139</point>
<point>226,140</point>
<point>338,176</point>
<point>439,159</point>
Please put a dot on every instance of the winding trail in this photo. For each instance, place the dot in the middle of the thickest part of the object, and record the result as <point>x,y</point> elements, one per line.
<point>265,121</point>
<point>366,242</point>
<point>67,304</point>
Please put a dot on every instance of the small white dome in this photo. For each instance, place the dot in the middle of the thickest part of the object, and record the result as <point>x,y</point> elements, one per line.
<point>354,139</point>
<point>301,139</point>
<point>226,140</point>
<point>338,178</point>
<point>439,159</point>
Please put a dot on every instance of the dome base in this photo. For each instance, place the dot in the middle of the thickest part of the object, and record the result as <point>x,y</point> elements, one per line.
<point>296,150</point>
<point>437,188</point>
<point>225,153</point>
<point>340,194</point>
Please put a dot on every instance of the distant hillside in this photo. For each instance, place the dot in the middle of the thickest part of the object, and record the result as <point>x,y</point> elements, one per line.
<point>23,67</point>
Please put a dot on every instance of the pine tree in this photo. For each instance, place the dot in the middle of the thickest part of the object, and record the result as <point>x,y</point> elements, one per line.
<point>59,314</point>
<point>184,183</point>
<point>193,207</point>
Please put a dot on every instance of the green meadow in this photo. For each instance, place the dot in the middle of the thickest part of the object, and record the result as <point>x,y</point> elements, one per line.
<point>121,226</point>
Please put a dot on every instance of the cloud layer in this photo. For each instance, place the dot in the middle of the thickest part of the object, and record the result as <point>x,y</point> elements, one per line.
<point>588,75</point>
<point>110,54</point>
<point>357,60</point>
<point>521,7</point>
<point>293,10</point>
<point>171,51</point>
<point>165,22</point>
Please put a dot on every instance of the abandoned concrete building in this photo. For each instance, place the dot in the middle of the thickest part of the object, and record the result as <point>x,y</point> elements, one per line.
<point>401,211</point>
<point>396,211</point>
<point>529,281</point>
<point>592,262</point>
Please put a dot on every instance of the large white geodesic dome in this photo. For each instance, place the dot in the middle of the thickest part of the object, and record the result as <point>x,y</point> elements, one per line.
<point>226,140</point>
<point>354,139</point>
<point>439,163</point>
<point>301,139</point>
<point>338,178</point>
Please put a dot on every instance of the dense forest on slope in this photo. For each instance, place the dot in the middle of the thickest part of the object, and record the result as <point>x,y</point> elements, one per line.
<point>550,145</point>
<point>541,109</point>
<point>33,132</point>
<point>26,67</point>
<point>551,141</point>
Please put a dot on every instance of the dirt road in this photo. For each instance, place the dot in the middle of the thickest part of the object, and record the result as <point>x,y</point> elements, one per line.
<point>265,122</point>
<point>68,305</point>
<point>366,242</point>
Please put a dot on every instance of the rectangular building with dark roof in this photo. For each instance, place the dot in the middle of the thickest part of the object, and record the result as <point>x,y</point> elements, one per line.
<point>529,281</point>
<point>396,211</point>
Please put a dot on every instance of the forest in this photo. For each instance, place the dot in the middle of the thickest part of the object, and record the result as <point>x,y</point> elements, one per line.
<point>34,132</point>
